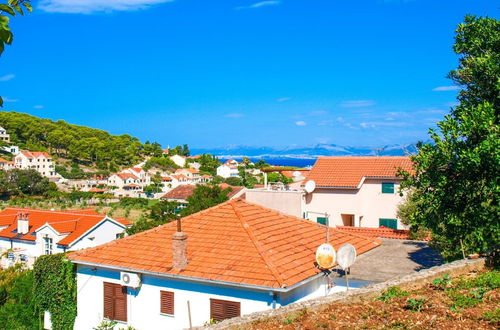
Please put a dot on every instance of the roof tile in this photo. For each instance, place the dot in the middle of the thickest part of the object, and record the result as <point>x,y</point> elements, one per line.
<point>229,243</point>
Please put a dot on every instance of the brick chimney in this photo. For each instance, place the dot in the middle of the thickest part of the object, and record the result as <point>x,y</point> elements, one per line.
<point>23,224</point>
<point>179,248</point>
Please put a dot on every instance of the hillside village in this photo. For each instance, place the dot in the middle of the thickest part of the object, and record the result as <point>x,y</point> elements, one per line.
<point>340,200</point>
<point>102,231</point>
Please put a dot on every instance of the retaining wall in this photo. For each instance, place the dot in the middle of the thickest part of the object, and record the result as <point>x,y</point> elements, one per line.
<point>413,281</point>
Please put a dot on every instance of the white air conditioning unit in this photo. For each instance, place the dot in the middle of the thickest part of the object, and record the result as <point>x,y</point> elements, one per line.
<point>132,280</point>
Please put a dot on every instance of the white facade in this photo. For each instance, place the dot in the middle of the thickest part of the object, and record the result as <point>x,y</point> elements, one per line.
<point>4,137</point>
<point>227,171</point>
<point>367,206</point>
<point>363,207</point>
<point>178,160</point>
<point>38,161</point>
<point>47,239</point>
<point>143,304</point>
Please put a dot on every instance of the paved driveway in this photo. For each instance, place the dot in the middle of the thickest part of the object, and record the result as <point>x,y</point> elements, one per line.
<point>394,258</point>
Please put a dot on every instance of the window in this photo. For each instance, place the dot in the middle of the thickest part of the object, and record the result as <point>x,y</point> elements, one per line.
<point>167,302</point>
<point>389,223</point>
<point>223,309</point>
<point>48,245</point>
<point>387,188</point>
<point>322,220</point>
<point>115,302</point>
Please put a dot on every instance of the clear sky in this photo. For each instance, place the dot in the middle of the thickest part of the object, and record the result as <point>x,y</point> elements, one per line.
<point>244,72</point>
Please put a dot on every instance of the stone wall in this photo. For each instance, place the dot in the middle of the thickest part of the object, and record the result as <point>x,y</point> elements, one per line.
<point>413,281</point>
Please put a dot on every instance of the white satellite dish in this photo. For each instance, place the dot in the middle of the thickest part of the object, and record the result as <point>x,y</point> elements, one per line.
<point>325,256</point>
<point>310,186</point>
<point>346,255</point>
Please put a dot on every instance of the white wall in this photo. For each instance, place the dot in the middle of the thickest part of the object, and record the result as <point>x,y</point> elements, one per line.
<point>368,204</point>
<point>105,232</point>
<point>144,304</point>
<point>288,202</point>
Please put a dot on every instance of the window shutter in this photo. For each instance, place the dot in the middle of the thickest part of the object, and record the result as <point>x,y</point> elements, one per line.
<point>223,309</point>
<point>167,302</point>
<point>115,302</point>
<point>120,303</point>
<point>108,300</point>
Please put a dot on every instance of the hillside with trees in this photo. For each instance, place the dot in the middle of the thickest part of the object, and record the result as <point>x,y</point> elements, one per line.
<point>80,144</point>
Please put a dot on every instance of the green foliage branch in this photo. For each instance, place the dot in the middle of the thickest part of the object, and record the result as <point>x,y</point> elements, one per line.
<point>455,184</point>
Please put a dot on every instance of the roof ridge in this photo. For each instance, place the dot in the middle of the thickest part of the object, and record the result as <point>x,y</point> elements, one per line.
<point>45,211</point>
<point>255,242</point>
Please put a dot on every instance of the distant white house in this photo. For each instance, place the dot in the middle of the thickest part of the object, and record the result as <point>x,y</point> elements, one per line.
<point>36,160</point>
<point>3,135</point>
<point>228,169</point>
<point>230,260</point>
<point>349,191</point>
<point>29,233</point>
<point>178,160</point>
<point>6,165</point>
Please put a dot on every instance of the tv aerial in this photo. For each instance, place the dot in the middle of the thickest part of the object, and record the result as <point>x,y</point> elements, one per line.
<point>346,256</point>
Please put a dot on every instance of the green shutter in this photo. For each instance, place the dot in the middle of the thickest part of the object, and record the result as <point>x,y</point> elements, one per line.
<point>322,220</point>
<point>389,223</point>
<point>387,188</point>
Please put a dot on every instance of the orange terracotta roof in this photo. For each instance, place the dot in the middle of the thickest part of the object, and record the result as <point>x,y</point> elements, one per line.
<point>96,190</point>
<point>180,177</point>
<point>381,232</point>
<point>194,157</point>
<point>184,191</point>
<point>190,170</point>
<point>180,192</point>
<point>3,160</point>
<point>166,178</point>
<point>235,242</point>
<point>74,222</point>
<point>125,176</point>
<point>35,154</point>
<point>136,169</point>
<point>349,172</point>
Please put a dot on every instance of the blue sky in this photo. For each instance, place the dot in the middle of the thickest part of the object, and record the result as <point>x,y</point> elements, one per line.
<point>225,72</point>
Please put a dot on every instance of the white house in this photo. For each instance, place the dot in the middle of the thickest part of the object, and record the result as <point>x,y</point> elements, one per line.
<point>232,259</point>
<point>178,160</point>
<point>4,137</point>
<point>29,233</point>
<point>6,165</point>
<point>36,160</point>
<point>349,191</point>
<point>191,173</point>
<point>228,169</point>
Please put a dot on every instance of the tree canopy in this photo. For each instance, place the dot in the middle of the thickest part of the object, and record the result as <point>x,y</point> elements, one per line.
<point>454,190</point>
<point>79,143</point>
<point>205,196</point>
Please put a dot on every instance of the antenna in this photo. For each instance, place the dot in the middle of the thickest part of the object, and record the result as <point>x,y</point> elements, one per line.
<point>346,256</point>
<point>310,186</point>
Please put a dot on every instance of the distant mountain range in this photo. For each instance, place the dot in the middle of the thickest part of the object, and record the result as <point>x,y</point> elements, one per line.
<point>306,151</point>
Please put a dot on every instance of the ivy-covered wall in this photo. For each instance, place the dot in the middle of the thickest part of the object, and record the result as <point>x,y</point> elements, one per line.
<point>54,289</point>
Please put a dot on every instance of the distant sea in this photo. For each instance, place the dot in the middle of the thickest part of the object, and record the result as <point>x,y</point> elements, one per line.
<point>279,161</point>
